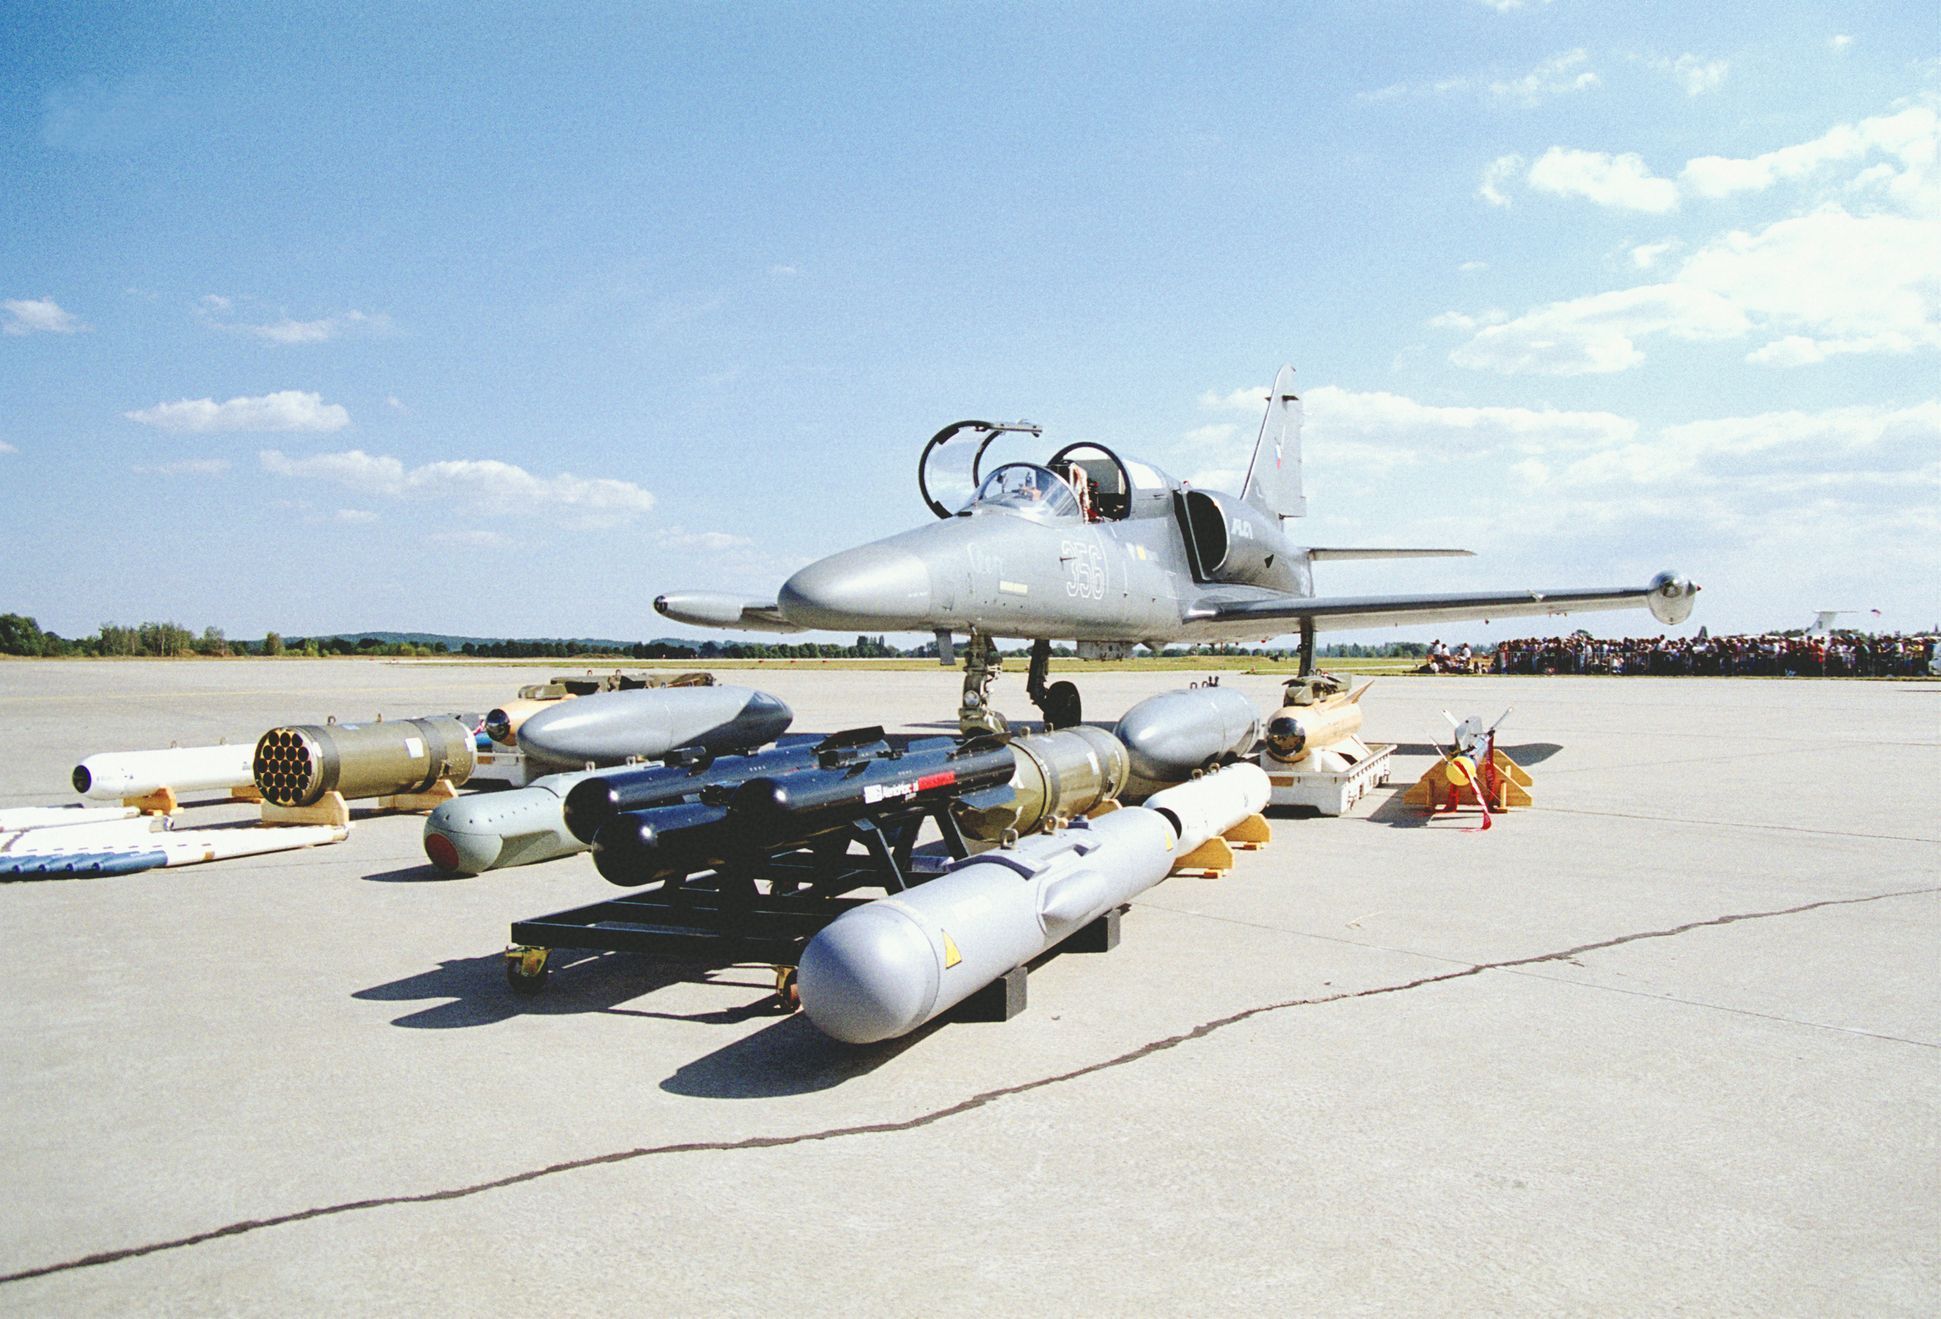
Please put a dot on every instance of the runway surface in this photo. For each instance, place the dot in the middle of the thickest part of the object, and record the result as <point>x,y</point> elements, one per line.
<point>1668,1041</point>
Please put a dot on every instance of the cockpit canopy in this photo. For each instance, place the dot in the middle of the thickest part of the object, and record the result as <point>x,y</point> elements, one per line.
<point>1029,489</point>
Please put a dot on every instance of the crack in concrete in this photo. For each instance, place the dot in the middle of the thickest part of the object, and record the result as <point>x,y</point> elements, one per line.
<point>900,1125</point>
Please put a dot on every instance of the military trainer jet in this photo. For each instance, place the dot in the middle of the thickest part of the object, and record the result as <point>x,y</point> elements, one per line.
<point>1109,552</point>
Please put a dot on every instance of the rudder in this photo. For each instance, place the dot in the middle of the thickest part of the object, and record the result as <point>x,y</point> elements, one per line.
<point>1273,482</point>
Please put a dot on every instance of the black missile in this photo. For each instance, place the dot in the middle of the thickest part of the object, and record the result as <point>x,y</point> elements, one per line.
<point>783,805</point>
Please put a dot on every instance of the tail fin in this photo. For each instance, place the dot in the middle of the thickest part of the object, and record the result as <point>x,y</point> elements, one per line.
<point>1273,482</point>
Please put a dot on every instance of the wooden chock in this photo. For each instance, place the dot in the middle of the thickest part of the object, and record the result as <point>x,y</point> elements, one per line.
<point>331,808</point>
<point>1104,808</point>
<point>1210,860</point>
<point>430,799</point>
<point>159,802</point>
<point>247,792</point>
<point>1251,834</point>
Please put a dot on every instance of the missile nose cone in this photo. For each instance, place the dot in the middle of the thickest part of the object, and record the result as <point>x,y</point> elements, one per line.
<point>872,586</point>
<point>767,715</point>
<point>871,975</point>
<point>455,844</point>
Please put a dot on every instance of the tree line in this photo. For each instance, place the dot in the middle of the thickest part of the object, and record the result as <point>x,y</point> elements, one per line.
<point>21,635</point>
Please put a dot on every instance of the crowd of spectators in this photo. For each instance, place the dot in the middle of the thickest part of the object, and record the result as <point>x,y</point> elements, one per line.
<point>1828,655</point>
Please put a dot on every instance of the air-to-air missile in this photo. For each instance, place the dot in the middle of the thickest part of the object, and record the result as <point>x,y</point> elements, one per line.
<point>296,766</point>
<point>122,775</point>
<point>1320,714</point>
<point>1174,734</point>
<point>885,968</point>
<point>20,819</point>
<point>609,728</point>
<point>780,802</point>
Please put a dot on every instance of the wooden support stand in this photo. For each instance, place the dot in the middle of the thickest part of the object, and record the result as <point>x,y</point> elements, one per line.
<point>1214,858</point>
<point>331,808</point>
<point>429,800</point>
<point>159,802</point>
<point>248,792</point>
<point>1433,790</point>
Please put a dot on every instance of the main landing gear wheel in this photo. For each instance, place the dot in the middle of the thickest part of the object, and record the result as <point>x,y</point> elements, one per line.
<point>1061,706</point>
<point>525,969</point>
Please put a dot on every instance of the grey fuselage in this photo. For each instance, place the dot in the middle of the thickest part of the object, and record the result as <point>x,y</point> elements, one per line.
<point>1018,573</point>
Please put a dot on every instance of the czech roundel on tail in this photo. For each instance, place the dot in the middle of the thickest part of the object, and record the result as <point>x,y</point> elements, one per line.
<point>1108,552</point>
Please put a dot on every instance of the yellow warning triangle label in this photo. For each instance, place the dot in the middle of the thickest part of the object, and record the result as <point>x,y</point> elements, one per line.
<point>951,955</point>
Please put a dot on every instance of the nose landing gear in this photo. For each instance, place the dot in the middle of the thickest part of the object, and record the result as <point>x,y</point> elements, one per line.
<point>1058,702</point>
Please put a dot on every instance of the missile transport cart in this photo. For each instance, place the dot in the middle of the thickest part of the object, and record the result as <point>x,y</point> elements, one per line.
<point>1331,791</point>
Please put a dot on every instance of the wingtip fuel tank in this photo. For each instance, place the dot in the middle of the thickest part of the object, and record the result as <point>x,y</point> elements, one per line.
<point>608,728</point>
<point>1672,597</point>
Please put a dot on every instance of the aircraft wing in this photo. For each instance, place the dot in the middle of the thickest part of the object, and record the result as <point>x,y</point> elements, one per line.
<point>714,609</point>
<point>1669,597</point>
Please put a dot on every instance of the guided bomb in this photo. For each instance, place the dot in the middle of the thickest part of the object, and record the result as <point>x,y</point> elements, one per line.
<point>296,766</point>
<point>885,968</point>
<point>490,830</point>
<point>1174,734</point>
<point>609,728</point>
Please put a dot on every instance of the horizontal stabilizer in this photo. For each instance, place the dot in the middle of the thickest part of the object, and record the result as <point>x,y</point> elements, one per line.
<point>1317,555</point>
<point>714,609</point>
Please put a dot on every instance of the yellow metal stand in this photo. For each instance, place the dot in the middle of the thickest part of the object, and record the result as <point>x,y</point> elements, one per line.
<point>1433,791</point>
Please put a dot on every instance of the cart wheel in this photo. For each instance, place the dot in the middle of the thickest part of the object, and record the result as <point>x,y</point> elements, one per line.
<point>788,995</point>
<point>1061,708</point>
<point>525,969</point>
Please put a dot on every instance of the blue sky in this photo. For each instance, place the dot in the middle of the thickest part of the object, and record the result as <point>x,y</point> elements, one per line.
<point>503,318</point>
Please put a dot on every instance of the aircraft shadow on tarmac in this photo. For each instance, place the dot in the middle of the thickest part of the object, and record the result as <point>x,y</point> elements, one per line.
<point>477,993</point>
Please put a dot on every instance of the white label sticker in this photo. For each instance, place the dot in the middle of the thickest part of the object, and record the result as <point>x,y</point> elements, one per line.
<point>414,747</point>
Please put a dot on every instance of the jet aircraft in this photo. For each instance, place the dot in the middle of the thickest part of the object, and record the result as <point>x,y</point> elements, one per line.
<point>1109,552</point>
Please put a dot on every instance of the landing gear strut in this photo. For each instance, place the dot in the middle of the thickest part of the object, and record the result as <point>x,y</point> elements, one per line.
<point>982,664</point>
<point>1307,648</point>
<point>1058,701</point>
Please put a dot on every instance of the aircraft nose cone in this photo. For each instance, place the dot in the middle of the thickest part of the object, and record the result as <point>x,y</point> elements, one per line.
<point>872,586</point>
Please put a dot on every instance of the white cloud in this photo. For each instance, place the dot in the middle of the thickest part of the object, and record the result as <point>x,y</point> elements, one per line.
<point>285,410</point>
<point>784,271</point>
<point>1597,335</point>
<point>1839,42</point>
<point>356,515</point>
<point>480,485</point>
<point>1237,400</point>
<point>39,315</point>
<point>214,309</point>
<point>1507,6</point>
<point>1623,181</point>
<point>1568,72</point>
<point>1801,450</point>
<point>184,467</point>
<point>391,402</point>
<point>1381,416</point>
<point>1645,255</point>
<point>1495,175</point>
<point>1217,433</point>
<point>1471,267</point>
<point>714,542</point>
<point>1833,275</point>
<point>1909,136</point>
<point>1695,74</point>
<point>7,448</point>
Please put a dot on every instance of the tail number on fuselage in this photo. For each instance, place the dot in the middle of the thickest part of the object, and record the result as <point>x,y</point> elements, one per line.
<point>1086,565</point>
